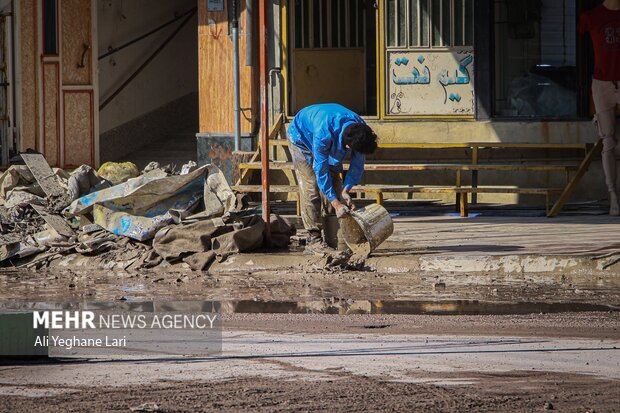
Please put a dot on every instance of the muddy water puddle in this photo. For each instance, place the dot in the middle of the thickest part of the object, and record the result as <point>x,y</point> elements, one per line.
<point>341,307</point>
<point>100,285</point>
<point>269,292</point>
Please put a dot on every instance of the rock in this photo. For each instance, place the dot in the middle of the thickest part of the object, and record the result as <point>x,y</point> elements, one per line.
<point>118,172</point>
<point>146,407</point>
<point>337,259</point>
<point>548,406</point>
<point>440,286</point>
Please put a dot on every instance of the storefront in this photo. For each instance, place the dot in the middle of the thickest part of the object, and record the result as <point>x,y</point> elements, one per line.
<point>436,71</point>
<point>416,60</point>
<point>439,59</point>
<point>417,70</point>
<point>394,60</point>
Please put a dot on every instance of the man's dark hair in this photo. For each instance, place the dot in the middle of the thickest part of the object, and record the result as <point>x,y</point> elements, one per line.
<point>360,138</point>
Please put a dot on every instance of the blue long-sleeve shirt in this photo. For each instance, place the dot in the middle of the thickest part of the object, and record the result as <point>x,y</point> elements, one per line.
<point>317,130</point>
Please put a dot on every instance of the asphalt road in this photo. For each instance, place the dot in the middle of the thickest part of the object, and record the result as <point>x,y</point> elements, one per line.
<point>568,362</point>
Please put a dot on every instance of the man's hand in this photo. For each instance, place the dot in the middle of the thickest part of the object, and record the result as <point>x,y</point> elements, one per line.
<point>346,198</point>
<point>341,209</point>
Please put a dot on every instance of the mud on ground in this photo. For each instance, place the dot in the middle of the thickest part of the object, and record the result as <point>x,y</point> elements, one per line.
<point>506,392</point>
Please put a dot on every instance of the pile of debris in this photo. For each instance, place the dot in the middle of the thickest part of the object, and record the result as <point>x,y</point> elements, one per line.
<point>118,214</point>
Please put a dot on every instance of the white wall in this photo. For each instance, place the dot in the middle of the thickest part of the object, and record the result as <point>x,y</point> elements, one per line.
<point>171,75</point>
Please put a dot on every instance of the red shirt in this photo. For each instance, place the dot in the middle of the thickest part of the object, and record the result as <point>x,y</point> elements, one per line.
<point>604,27</point>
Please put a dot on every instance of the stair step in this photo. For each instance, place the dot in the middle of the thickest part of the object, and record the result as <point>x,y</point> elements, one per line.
<point>272,165</point>
<point>279,165</point>
<point>246,189</point>
<point>467,145</point>
<point>405,189</point>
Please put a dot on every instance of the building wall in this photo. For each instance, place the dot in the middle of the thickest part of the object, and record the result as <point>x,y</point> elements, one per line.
<point>28,16</point>
<point>56,90</point>
<point>169,80</point>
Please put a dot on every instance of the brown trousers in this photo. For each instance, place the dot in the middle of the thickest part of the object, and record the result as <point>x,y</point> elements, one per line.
<point>311,198</point>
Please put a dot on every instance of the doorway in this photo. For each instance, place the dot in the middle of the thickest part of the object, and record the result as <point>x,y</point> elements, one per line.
<point>148,80</point>
<point>333,54</point>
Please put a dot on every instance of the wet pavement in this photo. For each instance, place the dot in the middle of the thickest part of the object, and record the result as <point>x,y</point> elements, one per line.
<point>352,363</point>
<point>461,263</point>
<point>516,316</point>
<point>303,291</point>
<point>490,235</point>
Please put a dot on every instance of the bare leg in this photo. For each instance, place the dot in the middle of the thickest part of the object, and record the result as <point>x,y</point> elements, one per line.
<point>606,125</point>
<point>605,95</point>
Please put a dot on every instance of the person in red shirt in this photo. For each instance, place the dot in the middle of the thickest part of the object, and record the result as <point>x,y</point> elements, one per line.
<point>603,25</point>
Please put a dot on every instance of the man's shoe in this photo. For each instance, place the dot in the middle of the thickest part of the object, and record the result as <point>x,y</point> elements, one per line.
<point>317,247</point>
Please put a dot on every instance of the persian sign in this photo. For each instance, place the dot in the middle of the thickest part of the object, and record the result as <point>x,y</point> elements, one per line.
<point>431,83</point>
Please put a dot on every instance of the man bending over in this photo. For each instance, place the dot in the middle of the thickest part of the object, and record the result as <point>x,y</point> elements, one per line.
<point>321,137</point>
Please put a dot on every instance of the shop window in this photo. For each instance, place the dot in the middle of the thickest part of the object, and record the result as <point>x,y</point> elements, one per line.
<point>322,24</point>
<point>429,23</point>
<point>333,54</point>
<point>429,58</point>
<point>535,58</point>
<point>50,29</point>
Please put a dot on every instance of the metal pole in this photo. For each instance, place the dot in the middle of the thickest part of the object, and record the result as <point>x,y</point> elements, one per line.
<point>249,33</point>
<point>235,40</point>
<point>264,130</point>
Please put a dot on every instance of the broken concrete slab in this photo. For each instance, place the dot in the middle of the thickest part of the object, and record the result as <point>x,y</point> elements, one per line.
<point>56,222</point>
<point>43,174</point>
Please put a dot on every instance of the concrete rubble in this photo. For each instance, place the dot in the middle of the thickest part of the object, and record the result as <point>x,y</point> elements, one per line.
<point>144,219</point>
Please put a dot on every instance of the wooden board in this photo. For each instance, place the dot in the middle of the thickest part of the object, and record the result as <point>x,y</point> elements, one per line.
<point>215,73</point>
<point>54,221</point>
<point>466,167</point>
<point>455,189</point>
<point>272,188</point>
<point>43,174</point>
<point>498,145</point>
<point>572,185</point>
<point>78,128</point>
<point>429,167</point>
<point>409,189</point>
